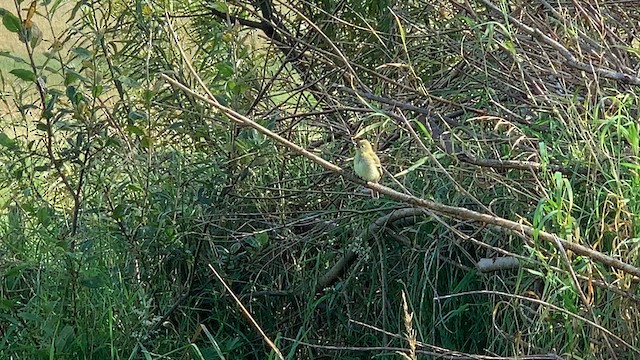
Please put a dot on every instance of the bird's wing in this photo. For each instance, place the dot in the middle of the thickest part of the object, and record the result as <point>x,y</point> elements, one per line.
<point>379,166</point>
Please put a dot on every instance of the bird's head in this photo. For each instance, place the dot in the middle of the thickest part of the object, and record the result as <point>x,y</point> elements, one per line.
<point>364,145</point>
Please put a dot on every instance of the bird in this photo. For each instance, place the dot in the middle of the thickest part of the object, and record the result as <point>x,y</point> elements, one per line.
<point>366,164</point>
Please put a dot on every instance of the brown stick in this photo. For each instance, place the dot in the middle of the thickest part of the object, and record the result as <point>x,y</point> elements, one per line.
<point>452,211</point>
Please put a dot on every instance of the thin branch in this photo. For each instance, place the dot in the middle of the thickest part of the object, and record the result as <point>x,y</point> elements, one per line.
<point>247,314</point>
<point>570,59</point>
<point>498,263</point>
<point>452,211</point>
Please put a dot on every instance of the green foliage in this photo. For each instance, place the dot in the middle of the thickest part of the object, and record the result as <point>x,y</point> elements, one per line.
<point>26,75</point>
<point>10,21</point>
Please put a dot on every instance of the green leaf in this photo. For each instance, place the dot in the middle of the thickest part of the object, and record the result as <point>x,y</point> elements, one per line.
<point>7,305</point>
<point>222,99</point>
<point>75,9</point>
<point>235,248</point>
<point>112,141</point>
<point>263,238</point>
<point>132,129</point>
<point>146,142</point>
<point>257,137</point>
<point>257,241</point>
<point>97,90</point>
<point>137,115</point>
<point>148,95</point>
<point>56,92</point>
<point>118,212</point>
<point>71,93</point>
<point>34,35</point>
<point>71,77</point>
<point>127,81</point>
<point>17,59</point>
<point>82,52</point>
<point>253,242</point>
<point>135,188</point>
<point>55,6</point>
<point>51,103</point>
<point>47,114</point>
<point>7,142</point>
<point>44,216</point>
<point>30,316</point>
<point>42,126</point>
<point>422,128</point>
<point>220,6</point>
<point>24,74</point>
<point>625,164</point>
<point>11,22</point>
<point>225,69</point>
<point>413,167</point>
<point>371,127</point>
<point>64,337</point>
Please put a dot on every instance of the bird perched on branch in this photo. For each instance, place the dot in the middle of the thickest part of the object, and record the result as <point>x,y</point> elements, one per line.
<point>366,164</point>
